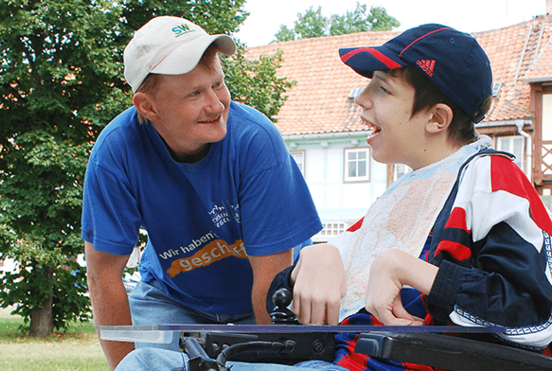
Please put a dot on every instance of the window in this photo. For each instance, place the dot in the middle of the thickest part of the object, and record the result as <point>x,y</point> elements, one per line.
<point>299,157</point>
<point>547,117</point>
<point>513,145</point>
<point>354,92</point>
<point>400,170</point>
<point>357,164</point>
<point>546,136</point>
<point>332,228</point>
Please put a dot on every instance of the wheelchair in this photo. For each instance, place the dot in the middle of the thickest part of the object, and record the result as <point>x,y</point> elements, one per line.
<point>210,351</point>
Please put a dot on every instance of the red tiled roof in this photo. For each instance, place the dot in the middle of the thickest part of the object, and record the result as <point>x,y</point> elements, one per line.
<point>319,102</point>
<point>543,65</point>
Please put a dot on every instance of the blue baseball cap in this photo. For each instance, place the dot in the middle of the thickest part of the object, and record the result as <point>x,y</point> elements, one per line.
<point>451,60</point>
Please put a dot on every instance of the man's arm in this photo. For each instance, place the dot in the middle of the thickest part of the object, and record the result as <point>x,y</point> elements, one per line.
<point>265,269</point>
<point>110,305</point>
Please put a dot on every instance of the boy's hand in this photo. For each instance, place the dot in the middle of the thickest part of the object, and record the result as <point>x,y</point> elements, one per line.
<point>319,285</point>
<point>390,271</point>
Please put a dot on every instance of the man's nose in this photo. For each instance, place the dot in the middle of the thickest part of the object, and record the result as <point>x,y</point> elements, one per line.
<point>214,104</point>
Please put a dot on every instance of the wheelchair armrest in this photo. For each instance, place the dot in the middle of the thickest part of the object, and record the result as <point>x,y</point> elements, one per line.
<point>449,352</point>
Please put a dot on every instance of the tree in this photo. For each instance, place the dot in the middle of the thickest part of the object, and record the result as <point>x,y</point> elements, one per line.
<point>379,20</point>
<point>310,24</point>
<point>61,82</point>
<point>285,34</point>
<point>351,22</point>
<point>314,24</point>
<point>361,20</point>
<point>58,85</point>
<point>245,75</point>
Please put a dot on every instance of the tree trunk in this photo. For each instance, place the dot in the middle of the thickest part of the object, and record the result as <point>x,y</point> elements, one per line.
<point>42,321</point>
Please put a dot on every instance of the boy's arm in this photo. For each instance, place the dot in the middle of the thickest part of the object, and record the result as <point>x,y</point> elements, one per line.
<point>494,255</point>
<point>390,271</point>
<point>318,282</point>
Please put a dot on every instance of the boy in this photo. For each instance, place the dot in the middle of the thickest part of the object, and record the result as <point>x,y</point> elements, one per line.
<point>471,216</point>
<point>465,231</point>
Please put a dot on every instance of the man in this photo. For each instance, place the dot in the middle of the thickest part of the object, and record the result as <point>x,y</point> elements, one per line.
<point>211,182</point>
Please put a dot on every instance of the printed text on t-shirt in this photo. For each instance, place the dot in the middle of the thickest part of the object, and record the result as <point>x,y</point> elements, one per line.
<point>212,252</point>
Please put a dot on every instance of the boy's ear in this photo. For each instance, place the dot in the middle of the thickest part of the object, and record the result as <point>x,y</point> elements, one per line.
<point>441,117</point>
<point>145,105</point>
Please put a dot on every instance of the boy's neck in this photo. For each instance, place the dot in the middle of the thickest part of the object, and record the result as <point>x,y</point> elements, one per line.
<point>433,151</point>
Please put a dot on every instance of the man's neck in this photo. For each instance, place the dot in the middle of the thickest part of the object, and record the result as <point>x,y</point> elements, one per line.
<point>187,158</point>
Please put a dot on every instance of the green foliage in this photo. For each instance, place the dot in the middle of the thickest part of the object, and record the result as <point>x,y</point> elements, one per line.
<point>67,285</point>
<point>350,22</point>
<point>379,20</point>
<point>260,74</point>
<point>58,85</point>
<point>215,16</point>
<point>314,24</point>
<point>61,82</point>
<point>41,206</point>
<point>310,24</point>
<point>361,20</point>
<point>285,34</point>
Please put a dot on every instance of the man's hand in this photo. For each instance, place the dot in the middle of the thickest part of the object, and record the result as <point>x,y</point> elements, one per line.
<point>319,285</point>
<point>110,305</point>
<point>389,272</point>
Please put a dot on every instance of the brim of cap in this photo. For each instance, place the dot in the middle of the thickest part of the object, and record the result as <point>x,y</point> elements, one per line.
<point>366,60</point>
<point>186,57</point>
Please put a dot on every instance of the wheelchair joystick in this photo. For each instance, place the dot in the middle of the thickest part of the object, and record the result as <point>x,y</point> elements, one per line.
<point>282,315</point>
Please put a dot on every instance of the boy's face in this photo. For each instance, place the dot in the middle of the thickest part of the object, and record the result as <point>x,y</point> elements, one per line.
<point>386,104</point>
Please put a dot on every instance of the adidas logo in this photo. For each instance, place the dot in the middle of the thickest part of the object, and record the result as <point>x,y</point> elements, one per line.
<point>427,65</point>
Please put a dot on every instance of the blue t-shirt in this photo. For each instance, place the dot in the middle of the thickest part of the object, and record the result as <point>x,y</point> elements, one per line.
<point>246,197</point>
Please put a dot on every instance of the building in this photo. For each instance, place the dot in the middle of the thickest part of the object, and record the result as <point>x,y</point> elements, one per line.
<point>321,124</point>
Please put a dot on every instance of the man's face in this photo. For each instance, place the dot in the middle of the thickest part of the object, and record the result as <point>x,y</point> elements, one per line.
<point>386,104</point>
<point>191,110</point>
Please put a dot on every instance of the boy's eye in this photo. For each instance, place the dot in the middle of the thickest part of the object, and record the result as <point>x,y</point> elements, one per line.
<point>382,88</point>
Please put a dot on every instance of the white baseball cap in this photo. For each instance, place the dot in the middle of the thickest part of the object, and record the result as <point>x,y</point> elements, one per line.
<point>170,46</point>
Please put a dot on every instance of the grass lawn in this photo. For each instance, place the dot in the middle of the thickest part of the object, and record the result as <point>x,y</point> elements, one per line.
<point>75,350</point>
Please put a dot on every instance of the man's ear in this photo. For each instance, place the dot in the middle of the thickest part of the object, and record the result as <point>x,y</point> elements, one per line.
<point>440,118</point>
<point>145,105</point>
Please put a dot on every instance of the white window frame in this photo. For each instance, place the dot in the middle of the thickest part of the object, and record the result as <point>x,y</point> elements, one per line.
<point>352,179</point>
<point>399,170</point>
<point>332,228</point>
<point>546,117</point>
<point>302,165</point>
<point>500,141</point>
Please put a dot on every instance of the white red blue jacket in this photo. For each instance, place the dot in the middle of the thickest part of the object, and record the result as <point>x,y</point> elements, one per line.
<point>491,242</point>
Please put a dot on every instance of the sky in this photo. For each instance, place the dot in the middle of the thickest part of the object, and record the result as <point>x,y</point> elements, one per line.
<point>465,15</point>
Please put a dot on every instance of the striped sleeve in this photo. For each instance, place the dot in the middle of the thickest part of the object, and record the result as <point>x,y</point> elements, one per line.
<point>495,255</point>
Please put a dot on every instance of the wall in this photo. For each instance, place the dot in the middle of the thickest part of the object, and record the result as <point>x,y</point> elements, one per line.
<point>338,201</point>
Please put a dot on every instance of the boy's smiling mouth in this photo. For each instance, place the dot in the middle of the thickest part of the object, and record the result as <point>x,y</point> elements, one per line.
<point>373,130</point>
